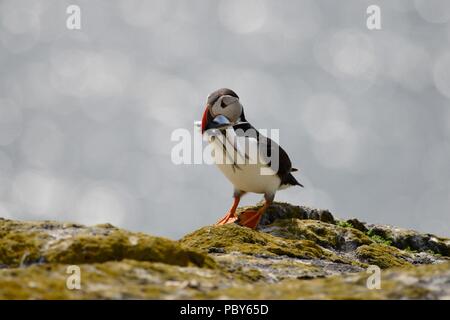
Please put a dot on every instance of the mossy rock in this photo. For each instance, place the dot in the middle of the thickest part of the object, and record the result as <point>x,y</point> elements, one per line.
<point>20,242</point>
<point>129,279</point>
<point>19,249</point>
<point>353,223</point>
<point>422,282</point>
<point>297,253</point>
<point>234,238</point>
<point>126,279</point>
<point>383,256</point>
<point>281,210</point>
<point>412,240</point>
<point>275,269</point>
<point>119,245</point>
<point>24,243</point>
<point>325,234</point>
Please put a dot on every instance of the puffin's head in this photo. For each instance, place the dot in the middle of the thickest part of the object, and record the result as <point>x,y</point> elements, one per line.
<point>223,109</point>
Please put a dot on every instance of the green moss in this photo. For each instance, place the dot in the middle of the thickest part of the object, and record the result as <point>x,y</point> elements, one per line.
<point>268,269</point>
<point>381,240</point>
<point>409,250</point>
<point>344,224</point>
<point>383,256</point>
<point>32,282</point>
<point>23,243</point>
<point>378,238</point>
<point>430,252</point>
<point>119,245</point>
<point>126,279</point>
<point>129,279</point>
<point>248,274</point>
<point>348,287</point>
<point>324,234</point>
<point>293,244</point>
<point>280,210</point>
<point>19,247</point>
<point>232,237</point>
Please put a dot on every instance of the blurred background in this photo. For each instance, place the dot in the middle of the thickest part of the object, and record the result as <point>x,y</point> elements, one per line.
<point>86,115</point>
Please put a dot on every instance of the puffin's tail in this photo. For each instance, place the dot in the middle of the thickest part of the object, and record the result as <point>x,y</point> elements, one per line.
<point>290,179</point>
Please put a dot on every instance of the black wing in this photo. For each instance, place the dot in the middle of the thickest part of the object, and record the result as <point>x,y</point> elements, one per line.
<point>285,165</point>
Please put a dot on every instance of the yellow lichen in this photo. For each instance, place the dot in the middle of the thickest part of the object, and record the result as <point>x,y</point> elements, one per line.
<point>383,256</point>
<point>232,237</point>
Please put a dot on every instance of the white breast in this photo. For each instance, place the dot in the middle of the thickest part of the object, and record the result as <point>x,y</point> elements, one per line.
<point>247,175</point>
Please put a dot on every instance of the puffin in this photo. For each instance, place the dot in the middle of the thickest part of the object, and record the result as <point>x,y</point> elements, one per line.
<point>244,156</point>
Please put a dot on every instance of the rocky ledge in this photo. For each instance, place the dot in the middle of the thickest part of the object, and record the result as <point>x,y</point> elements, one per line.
<point>297,253</point>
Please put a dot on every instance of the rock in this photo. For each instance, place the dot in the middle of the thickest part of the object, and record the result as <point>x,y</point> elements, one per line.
<point>383,256</point>
<point>325,234</point>
<point>24,243</point>
<point>280,210</point>
<point>234,238</point>
<point>423,282</point>
<point>355,223</point>
<point>129,279</point>
<point>297,253</point>
<point>412,240</point>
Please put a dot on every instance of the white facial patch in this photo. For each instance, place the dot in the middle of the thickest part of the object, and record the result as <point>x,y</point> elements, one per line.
<point>232,110</point>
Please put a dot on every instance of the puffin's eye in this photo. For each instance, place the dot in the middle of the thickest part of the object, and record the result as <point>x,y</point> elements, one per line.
<point>222,104</point>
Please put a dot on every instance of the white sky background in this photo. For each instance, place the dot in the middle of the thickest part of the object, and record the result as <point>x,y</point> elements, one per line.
<point>86,116</point>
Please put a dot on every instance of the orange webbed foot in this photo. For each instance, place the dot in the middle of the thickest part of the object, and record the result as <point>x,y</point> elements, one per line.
<point>228,218</point>
<point>250,218</point>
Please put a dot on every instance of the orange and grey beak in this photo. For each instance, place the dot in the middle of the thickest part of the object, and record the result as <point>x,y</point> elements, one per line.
<point>219,122</point>
<point>205,119</point>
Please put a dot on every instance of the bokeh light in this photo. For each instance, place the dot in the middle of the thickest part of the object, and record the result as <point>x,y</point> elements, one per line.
<point>6,168</point>
<point>326,119</point>
<point>243,16</point>
<point>20,24</point>
<point>86,115</point>
<point>349,55</point>
<point>441,73</point>
<point>406,62</point>
<point>102,203</point>
<point>40,194</point>
<point>42,143</point>
<point>87,73</point>
<point>434,11</point>
<point>10,121</point>
<point>143,13</point>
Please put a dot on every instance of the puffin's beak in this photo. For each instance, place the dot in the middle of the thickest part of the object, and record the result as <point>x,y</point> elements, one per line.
<point>219,122</point>
<point>204,119</point>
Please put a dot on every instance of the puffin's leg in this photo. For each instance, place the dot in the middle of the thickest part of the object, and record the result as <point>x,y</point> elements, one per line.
<point>251,218</point>
<point>230,217</point>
